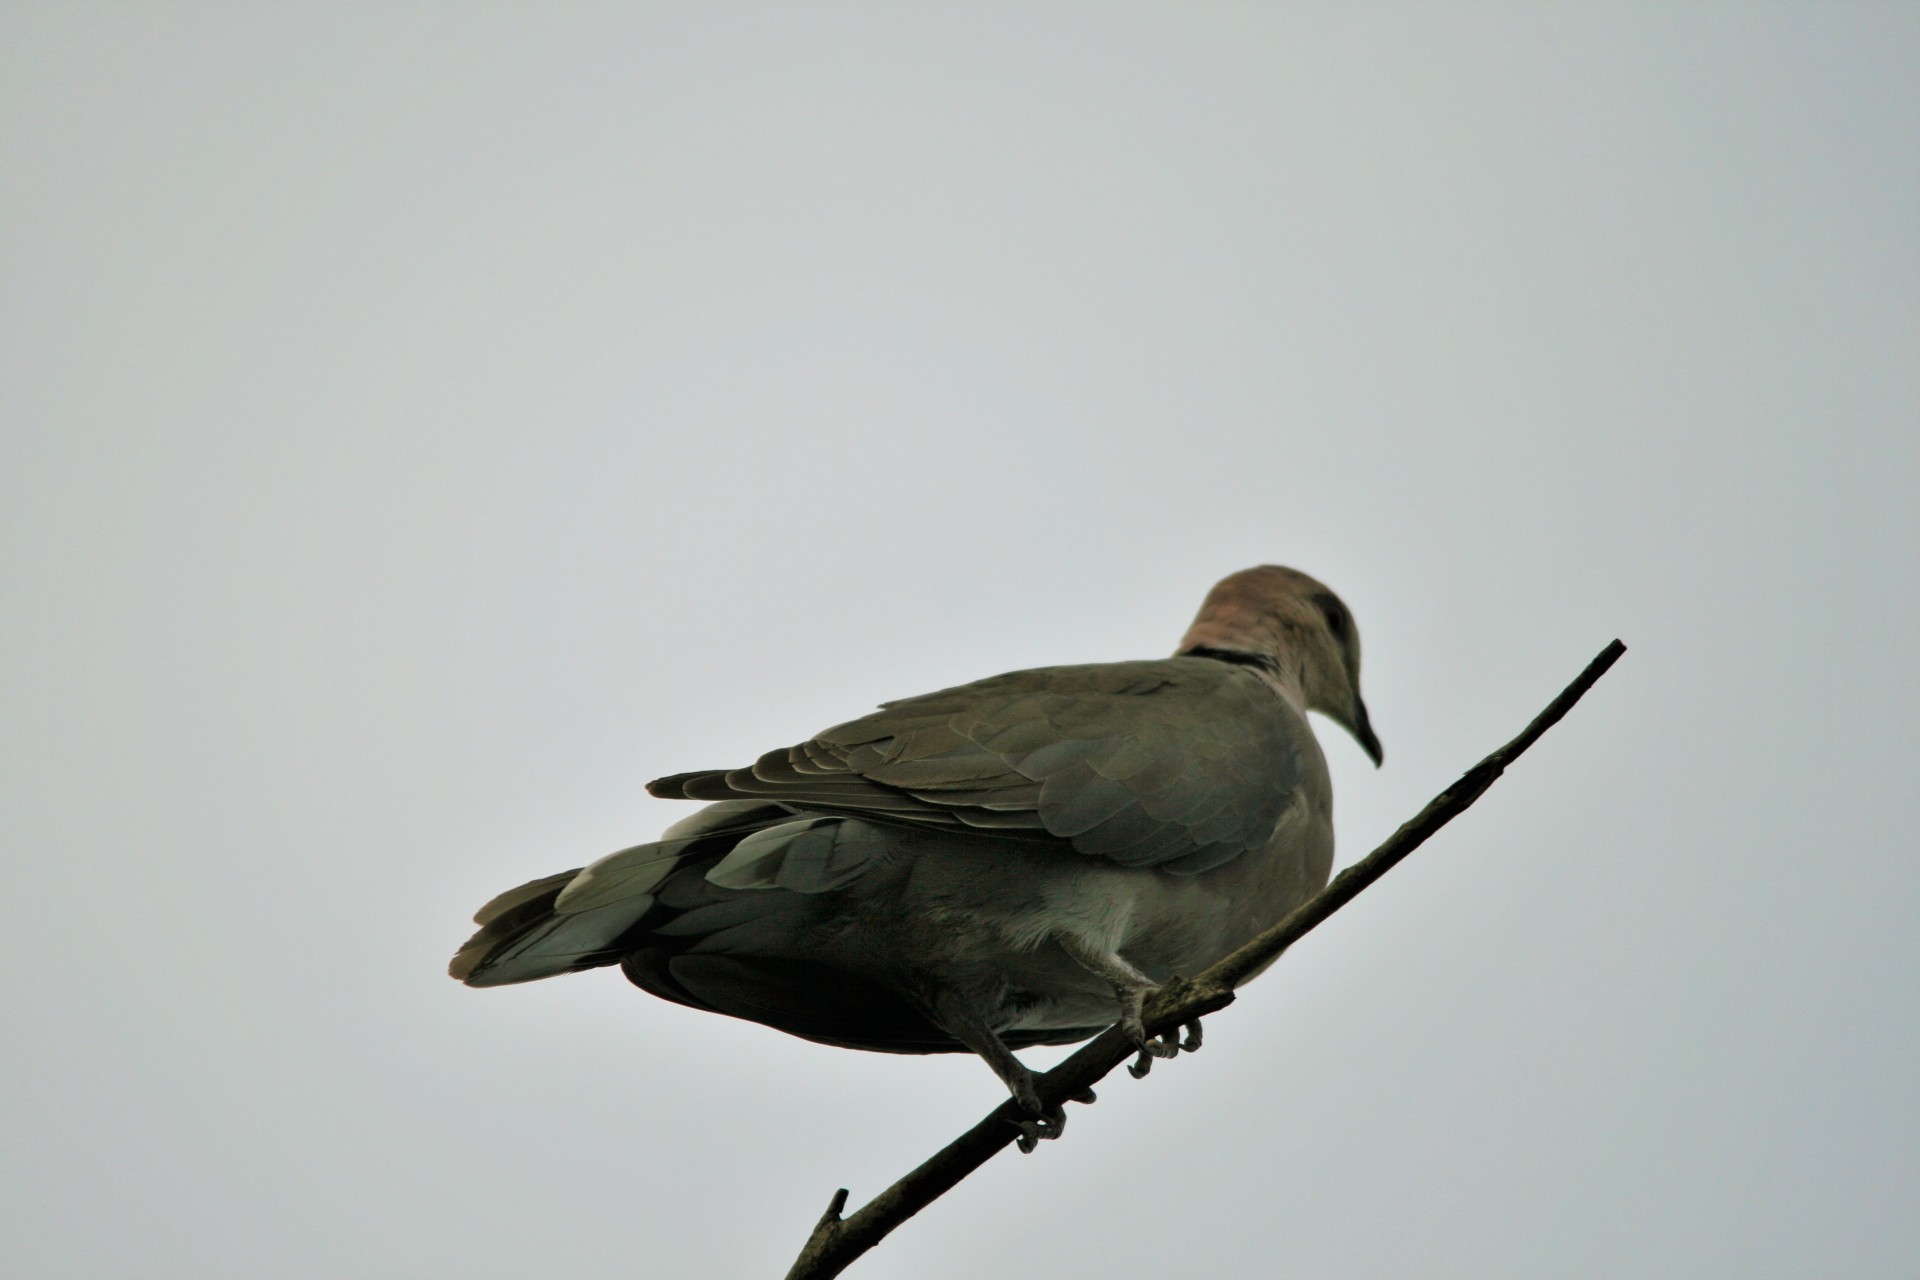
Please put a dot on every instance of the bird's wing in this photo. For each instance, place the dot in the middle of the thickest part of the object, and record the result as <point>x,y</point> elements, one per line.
<point>1181,763</point>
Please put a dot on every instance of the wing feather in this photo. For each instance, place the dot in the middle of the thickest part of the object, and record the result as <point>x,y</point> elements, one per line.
<point>1181,763</point>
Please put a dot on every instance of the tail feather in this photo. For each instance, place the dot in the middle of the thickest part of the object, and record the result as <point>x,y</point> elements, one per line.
<point>500,905</point>
<point>588,917</point>
<point>522,938</point>
<point>674,785</point>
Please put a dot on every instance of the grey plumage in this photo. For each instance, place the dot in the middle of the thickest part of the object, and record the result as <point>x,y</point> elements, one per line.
<point>1010,862</point>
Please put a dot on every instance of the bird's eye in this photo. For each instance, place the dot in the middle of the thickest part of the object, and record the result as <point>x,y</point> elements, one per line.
<point>1335,614</point>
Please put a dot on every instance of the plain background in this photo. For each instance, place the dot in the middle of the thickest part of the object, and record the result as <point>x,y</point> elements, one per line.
<point>426,423</point>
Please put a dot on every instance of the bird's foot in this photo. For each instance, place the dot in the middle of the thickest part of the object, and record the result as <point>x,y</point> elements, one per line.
<point>1150,1047</point>
<point>1166,1045</point>
<point>1133,1002</point>
<point>1041,1126</point>
<point>1163,1047</point>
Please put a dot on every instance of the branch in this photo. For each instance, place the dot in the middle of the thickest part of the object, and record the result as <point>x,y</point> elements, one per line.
<point>836,1241</point>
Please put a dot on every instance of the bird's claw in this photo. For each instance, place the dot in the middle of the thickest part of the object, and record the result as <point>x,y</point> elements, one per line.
<point>1159,1046</point>
<point>1041,1126</point>
<point>1163,1046</point>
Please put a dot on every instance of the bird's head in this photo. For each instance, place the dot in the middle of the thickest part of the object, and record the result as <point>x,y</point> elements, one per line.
<point>1297,630</point>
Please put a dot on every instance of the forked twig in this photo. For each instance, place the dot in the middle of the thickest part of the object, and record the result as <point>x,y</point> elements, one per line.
<point>837,1241</point>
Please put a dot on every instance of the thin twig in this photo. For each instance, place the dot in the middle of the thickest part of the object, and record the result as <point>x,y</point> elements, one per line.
<point>836,1242</point>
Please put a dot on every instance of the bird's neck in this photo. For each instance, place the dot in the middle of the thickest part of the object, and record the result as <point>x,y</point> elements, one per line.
<point>1282,677</point>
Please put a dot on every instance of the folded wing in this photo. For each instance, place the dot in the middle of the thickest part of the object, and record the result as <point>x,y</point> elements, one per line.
<point>1181,763</point>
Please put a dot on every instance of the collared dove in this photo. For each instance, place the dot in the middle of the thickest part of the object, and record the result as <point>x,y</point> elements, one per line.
<point>1016,861</point>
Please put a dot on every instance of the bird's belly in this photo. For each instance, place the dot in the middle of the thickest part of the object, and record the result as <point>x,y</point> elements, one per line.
<point>1001,922</point>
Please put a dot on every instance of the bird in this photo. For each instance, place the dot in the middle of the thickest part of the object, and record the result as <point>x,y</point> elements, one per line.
<point>1018,861</point>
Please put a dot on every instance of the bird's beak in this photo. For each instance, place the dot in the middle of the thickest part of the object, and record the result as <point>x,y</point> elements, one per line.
<point>1362,730</point>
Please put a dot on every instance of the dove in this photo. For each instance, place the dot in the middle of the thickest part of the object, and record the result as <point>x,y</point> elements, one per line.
<point>1018,861</point>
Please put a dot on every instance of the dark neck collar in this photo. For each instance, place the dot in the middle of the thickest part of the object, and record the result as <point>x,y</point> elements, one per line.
<point>1238,657</point>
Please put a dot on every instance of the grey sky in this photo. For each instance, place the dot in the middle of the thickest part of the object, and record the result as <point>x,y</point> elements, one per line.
<point>424,424</point>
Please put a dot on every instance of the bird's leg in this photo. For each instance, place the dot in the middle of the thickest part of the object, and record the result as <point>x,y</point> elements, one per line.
<point>959,1018</point>
<point>1131,987</point>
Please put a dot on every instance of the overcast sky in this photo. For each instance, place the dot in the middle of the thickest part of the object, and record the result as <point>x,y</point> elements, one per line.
<point>423,424</point>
